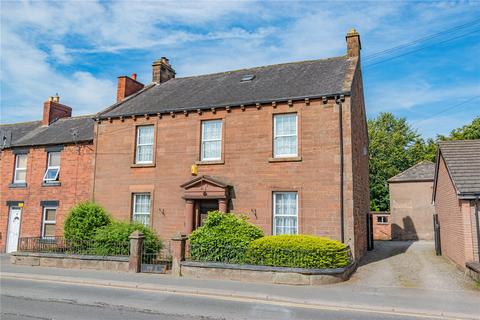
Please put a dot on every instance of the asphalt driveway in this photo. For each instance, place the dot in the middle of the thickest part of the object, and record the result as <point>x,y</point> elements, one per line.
<point>409,264</point>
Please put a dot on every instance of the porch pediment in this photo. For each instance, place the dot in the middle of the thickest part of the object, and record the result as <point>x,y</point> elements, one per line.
<point>205,187</point>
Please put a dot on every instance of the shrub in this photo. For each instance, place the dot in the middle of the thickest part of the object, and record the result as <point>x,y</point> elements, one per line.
<point>113,239</point>
<point>223,238</point>
<point>297,251</point>
<point>83,221</point>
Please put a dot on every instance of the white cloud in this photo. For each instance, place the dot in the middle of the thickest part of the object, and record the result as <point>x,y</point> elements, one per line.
<point>60,54</point>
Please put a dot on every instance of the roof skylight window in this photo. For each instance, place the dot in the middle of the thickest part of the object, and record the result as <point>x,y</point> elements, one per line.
<point>247,77</point>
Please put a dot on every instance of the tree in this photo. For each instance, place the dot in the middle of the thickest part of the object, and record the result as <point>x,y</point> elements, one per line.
<point>394,147</point>
<point>467,132</point>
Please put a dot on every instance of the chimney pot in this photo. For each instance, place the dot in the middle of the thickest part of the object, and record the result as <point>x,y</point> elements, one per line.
<point>134,76</point>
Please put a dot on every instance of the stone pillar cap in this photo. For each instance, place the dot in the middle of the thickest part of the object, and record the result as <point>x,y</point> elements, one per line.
<point>137,235</point>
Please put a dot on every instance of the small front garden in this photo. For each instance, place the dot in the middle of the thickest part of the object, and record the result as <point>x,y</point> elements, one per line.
<point>90,230</point>
<point>228,238</point>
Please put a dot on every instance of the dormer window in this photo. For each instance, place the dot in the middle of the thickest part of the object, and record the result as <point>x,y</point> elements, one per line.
<point>53,167</point>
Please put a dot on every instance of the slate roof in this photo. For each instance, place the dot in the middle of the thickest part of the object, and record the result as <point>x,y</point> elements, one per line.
<point>60,131</point>
<point>422,171</point>
<point>462,158</point>
<point>279,82</point>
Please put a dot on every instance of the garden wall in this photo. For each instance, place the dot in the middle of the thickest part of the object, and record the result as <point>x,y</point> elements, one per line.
<point>71,261</point>
<point>265,274</point>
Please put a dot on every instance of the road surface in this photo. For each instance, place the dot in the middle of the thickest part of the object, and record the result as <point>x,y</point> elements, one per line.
<point>31,300</point>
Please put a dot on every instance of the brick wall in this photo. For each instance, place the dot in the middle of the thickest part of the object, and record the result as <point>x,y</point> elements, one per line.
<point>381,230</point>
<point>76,175</point>
<point>247,148</point>
<point>360,192</point>
<point>448,208</point>
<point>411,210</point>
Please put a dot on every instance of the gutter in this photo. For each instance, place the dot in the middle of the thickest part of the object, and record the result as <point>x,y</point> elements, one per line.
<point>223,105</point>
<point>339,101</point>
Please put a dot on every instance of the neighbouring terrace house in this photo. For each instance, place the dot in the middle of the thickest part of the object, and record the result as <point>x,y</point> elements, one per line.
<point>284,144</point>
<point>411,207</point>
<point>456,195</point>
<point>46,167</point>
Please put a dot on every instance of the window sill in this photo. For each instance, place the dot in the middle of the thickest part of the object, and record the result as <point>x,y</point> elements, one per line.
<point>18,185</point>
<point>51,184</point>
<point>285,159</point>
<point>207,162</point>
<point>142,165</point>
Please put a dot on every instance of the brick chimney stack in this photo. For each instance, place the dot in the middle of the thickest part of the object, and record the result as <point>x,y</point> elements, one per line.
<point>353,43</point>
<point>127,86</point>
<point>162,71</point>
<point>53,110</point>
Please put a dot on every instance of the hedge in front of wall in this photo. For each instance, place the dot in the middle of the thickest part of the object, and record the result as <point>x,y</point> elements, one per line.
<point>297,251</point>
<point>224,237</point>
<point>113,239</point>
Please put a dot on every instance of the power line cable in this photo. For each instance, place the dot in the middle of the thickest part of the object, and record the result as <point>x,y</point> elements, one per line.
<point>419,49</point>
<point>425,38</point>
<point>447,109</point>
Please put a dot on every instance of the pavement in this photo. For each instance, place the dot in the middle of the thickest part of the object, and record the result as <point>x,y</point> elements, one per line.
<point>398,280</point>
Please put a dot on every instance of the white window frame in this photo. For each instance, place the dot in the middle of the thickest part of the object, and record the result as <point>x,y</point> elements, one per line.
<point>275,135</point>
<point>48,222</point>
<point>50,167</point>
<point>274,231</point>
<point>137,144</point>
<point>134,213</point>
<point>17,168</point>
<point>203,140</point>
<point>382,218</point>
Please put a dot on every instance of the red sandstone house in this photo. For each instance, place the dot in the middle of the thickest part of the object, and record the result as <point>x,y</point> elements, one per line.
<point>456,195</point>
<point>284,144</point>
<point>46,167</point>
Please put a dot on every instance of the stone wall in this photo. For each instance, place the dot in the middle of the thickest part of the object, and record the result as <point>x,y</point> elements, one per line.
<point>70,261</point>
<point>277,275</point>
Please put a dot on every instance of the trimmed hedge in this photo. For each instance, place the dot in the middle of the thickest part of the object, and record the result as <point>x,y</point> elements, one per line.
<point>113,239</point>
<point>297,251</point>
<point>224,237</point>
<point>83,221</point>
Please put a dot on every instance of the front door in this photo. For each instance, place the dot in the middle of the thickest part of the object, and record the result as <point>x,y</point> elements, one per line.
<point>205,206</point>
<point>14,219</point>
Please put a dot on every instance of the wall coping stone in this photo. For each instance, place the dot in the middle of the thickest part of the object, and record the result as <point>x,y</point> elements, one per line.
<point>70,256</point>
<point>336,271</point>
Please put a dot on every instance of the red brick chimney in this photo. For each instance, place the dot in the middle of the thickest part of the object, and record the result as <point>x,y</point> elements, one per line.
<point>353,43</point>
<point>128,86</point>
<point>53,110</point>
<point>162,71</point>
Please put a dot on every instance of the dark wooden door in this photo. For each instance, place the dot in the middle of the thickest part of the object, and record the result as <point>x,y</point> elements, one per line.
<point>205,206</point>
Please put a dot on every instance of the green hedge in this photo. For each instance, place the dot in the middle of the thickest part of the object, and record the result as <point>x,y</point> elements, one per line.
<point>83,220</point>
<point>113,239</point>
<point>224,237</point>
<point>297,251</point>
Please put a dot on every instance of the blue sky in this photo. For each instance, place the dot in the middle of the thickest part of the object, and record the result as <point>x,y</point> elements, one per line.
<point>79,48</point>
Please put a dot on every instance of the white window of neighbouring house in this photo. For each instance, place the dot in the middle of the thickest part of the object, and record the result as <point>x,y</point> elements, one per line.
<point>49,222</point>
<point>285,213</point>
<point>382,219</point>
<point>144,147</point>
<point>20,175</point>
<point>53,167</point>
<point>211,140</point>
<point>141,208</point>
<point>285,139</point>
